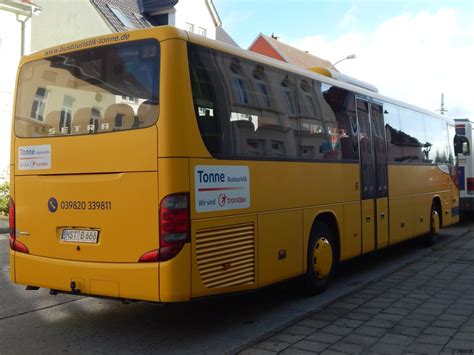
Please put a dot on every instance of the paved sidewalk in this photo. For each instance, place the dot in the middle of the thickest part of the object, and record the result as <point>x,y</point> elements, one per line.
<point>424,307</point>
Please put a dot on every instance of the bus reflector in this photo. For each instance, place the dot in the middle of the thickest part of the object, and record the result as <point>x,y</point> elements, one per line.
<point>174,228</point>
<point>14,244</point>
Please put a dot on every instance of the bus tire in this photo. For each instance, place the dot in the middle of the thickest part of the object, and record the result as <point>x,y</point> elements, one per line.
<point>321,259</point>
<point>435,225</point>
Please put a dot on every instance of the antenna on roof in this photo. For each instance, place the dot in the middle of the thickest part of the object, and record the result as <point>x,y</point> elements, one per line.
<point>442,110</point>
<point>275,37</point>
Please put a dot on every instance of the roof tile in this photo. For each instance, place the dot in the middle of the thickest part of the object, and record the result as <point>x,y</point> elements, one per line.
<point>296,56</point>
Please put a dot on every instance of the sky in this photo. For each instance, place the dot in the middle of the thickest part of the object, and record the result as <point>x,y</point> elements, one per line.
<point>410,50</point>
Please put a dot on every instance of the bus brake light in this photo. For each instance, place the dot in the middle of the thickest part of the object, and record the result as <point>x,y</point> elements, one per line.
<point>14,244</point>
<point>174,228</point>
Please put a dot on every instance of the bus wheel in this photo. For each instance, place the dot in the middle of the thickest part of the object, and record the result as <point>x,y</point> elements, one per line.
<point>321,259</point>
<point>435,224</point>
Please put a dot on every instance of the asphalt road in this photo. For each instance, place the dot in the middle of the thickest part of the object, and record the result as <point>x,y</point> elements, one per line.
<point>36,321</point>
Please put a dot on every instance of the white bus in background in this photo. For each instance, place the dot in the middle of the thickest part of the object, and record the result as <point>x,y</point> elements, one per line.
<point>464,128</point>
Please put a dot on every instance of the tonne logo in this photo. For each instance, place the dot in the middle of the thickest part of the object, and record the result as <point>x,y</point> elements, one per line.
<point>219,188</point>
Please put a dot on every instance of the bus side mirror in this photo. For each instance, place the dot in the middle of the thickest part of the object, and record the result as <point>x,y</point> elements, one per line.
<point>461,145</point>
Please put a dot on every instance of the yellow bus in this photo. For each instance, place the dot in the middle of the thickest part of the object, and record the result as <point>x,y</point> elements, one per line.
<point>163,166</point>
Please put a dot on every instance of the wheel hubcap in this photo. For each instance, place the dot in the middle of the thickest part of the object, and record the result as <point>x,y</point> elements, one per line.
<point>322,258</point>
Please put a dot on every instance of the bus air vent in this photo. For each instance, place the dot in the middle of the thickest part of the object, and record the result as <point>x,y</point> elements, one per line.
<point>226,255</point>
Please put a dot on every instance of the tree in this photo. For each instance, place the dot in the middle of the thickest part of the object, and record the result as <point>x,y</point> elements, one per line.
<point>4,190</point>
<point>4,197</point>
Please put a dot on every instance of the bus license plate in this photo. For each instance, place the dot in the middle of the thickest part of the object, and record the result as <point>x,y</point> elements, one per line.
<point>80,235</point>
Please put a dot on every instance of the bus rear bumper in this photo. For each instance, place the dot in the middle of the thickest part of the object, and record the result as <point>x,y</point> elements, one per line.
<point>134,281</point>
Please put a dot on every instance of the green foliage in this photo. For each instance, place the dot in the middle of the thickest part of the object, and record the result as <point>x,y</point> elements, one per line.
<point>4,195</point>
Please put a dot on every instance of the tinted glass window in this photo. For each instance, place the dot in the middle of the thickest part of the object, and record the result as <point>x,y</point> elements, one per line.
<point>405,134</point>
<point>414,137</point>
<point>245,108</point>
<point>90,91</point>
<point>393,132</point>
<point>314,128</point>
<point>416,147</point>
<point>437,147</point>
<point>340,104</point>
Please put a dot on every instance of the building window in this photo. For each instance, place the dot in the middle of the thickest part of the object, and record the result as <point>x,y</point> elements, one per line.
<point>238,82</point>
<point>288,96</point>
<point>260,81</point>
<point>94,120</point>
<point>142,20</point>
<point>130,99</point>
<point>39,104</point>
<point>189,27</point>
<point>202,31</point>
<point>121,16</point>
<point>66,115</point>
<point>159,20</point>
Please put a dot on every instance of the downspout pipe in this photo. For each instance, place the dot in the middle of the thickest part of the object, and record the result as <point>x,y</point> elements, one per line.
<point>26,13</point>
<point>23,22</point>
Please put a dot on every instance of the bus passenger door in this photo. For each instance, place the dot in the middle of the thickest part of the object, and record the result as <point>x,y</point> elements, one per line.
<point>367,177</point>
<point>381,180</point>
<point>373,165</point>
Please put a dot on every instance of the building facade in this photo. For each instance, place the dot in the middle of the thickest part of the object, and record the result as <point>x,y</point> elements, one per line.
<point>88,18</point>
<point>15,29</point>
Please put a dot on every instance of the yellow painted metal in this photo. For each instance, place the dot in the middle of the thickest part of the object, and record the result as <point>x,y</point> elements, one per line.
<point>175,277</point>
<point>401,219</point>
<point>368,226</point>
<point>412,191</point>
<point>128,226</point>
<point>422,207</point>
<point>286,199</point>
<point>322,258</point>
<point>178,132</point>
<point>134,280</point>
<point>97,153</point>
<point>352,239</point>
<point>216,245</point>
<point>382,222</point>
<point>322,71</point>
<point>162,33</point>
<point>280,232</point>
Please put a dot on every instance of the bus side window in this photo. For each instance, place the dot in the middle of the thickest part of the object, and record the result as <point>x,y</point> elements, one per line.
<point>342,103</point>
<point>461,145</point>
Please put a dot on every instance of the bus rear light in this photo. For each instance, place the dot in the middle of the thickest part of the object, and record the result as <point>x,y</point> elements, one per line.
<point>470,185</point>
<point>174,228</point>
<point>151,256</point>
<point>14,244</point>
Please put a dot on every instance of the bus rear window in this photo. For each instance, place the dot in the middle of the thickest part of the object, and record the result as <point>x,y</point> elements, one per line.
<point>96,90</point>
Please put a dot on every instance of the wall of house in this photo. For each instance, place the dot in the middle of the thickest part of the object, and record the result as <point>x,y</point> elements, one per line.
<point>10,53</point>
<point>197,13</point>
<point>61,23</point>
